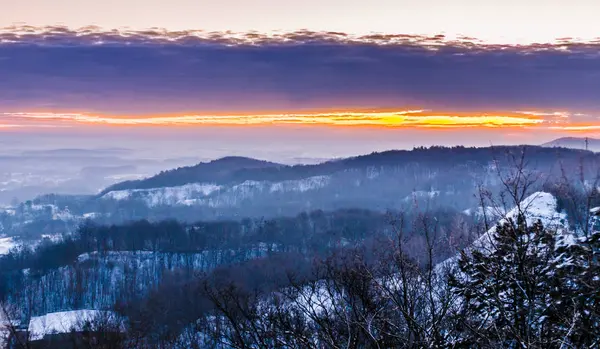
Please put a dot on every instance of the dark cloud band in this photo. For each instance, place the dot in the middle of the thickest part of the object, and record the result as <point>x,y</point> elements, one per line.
<point>156,71</point>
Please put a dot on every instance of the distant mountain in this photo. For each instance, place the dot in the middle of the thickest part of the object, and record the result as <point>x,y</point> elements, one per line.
<point>237,187</point>
<point>574,143</point>
<point>236,170</point>
<point>216,171</point>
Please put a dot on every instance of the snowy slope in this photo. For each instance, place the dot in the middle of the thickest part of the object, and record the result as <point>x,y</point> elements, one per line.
<point>166,196</point>
<point>64,322</point>
<point>33,211</point>
<point>537,206</point>
<point>541,206</point>
<point>212,195</point>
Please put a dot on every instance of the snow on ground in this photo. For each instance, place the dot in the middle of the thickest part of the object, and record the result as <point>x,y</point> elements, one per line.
<point>62,215</point>
<point>490,212</point>
<point>4,334</point>
<point>422,194</point>
<point>64,322</point>
<point>5,326</point>
<point>301,185</point>
<point>216,195</point>
<point>91,215</point>
<point>537,206</point>
<point>9,210</point>
<point>57,213</point>
<point>53,237</point>
<point>6,244</point>
<point>166,195</point>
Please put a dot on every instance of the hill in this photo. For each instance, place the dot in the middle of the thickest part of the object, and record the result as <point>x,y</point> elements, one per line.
<point>574,143</point>
<point>216,171</point>
<point>233,187</point>
<point>235,170</point>
<point>540,206</point>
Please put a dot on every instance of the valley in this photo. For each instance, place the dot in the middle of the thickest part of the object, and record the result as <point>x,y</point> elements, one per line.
<point>257,223</point>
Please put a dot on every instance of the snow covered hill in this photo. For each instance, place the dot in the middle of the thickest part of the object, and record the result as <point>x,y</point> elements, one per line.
<point>179,195</point>
<point>540,206</point>
<point>231,188</point>
<point>593,144</point>
<point>213,195</point>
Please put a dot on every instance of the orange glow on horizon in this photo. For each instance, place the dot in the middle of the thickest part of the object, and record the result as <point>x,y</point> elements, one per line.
<point>393,119</point>
<point>379,119</point>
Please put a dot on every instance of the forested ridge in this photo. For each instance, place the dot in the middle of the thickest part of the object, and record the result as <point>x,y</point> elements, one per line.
<point>519,272</point>
<point>237,170</point>
<point>233,188</point>
<point>531,289</point>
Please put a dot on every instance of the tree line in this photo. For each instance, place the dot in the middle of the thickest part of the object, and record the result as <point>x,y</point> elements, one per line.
<point>368,282</point>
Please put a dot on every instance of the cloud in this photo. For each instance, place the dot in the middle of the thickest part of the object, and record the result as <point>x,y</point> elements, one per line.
<point>95,71</point>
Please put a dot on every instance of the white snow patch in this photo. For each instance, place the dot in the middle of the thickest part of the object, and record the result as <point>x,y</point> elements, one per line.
<point>419,194</point>
<point>537,206</point>
<point>53,211</point>
<point>5,329</point>
<point>490,212</point>
<point>10,211</point>
<point>213,195</point>
<point>53,237</point>
<point>6,244</point>
<point>301,185</point>
<point>64,322</point>
<point>166,196</point>
<point>61,215</point>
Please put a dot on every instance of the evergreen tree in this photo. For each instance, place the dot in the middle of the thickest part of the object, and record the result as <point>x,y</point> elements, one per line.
<point>579,296</point>
<point>505,290</point>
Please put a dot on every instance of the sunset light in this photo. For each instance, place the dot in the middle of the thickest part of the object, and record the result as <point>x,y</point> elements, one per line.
<point>399,119</point>
<point>299,174</point>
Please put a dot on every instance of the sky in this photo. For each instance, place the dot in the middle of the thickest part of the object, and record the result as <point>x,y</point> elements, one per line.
<point>497,20</point>
<point>319,78</point>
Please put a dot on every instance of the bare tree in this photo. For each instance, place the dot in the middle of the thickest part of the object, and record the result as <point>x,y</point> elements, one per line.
<point>14,334</point>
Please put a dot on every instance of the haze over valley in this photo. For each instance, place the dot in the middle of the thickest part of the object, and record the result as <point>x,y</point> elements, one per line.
<point>299,174</point>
